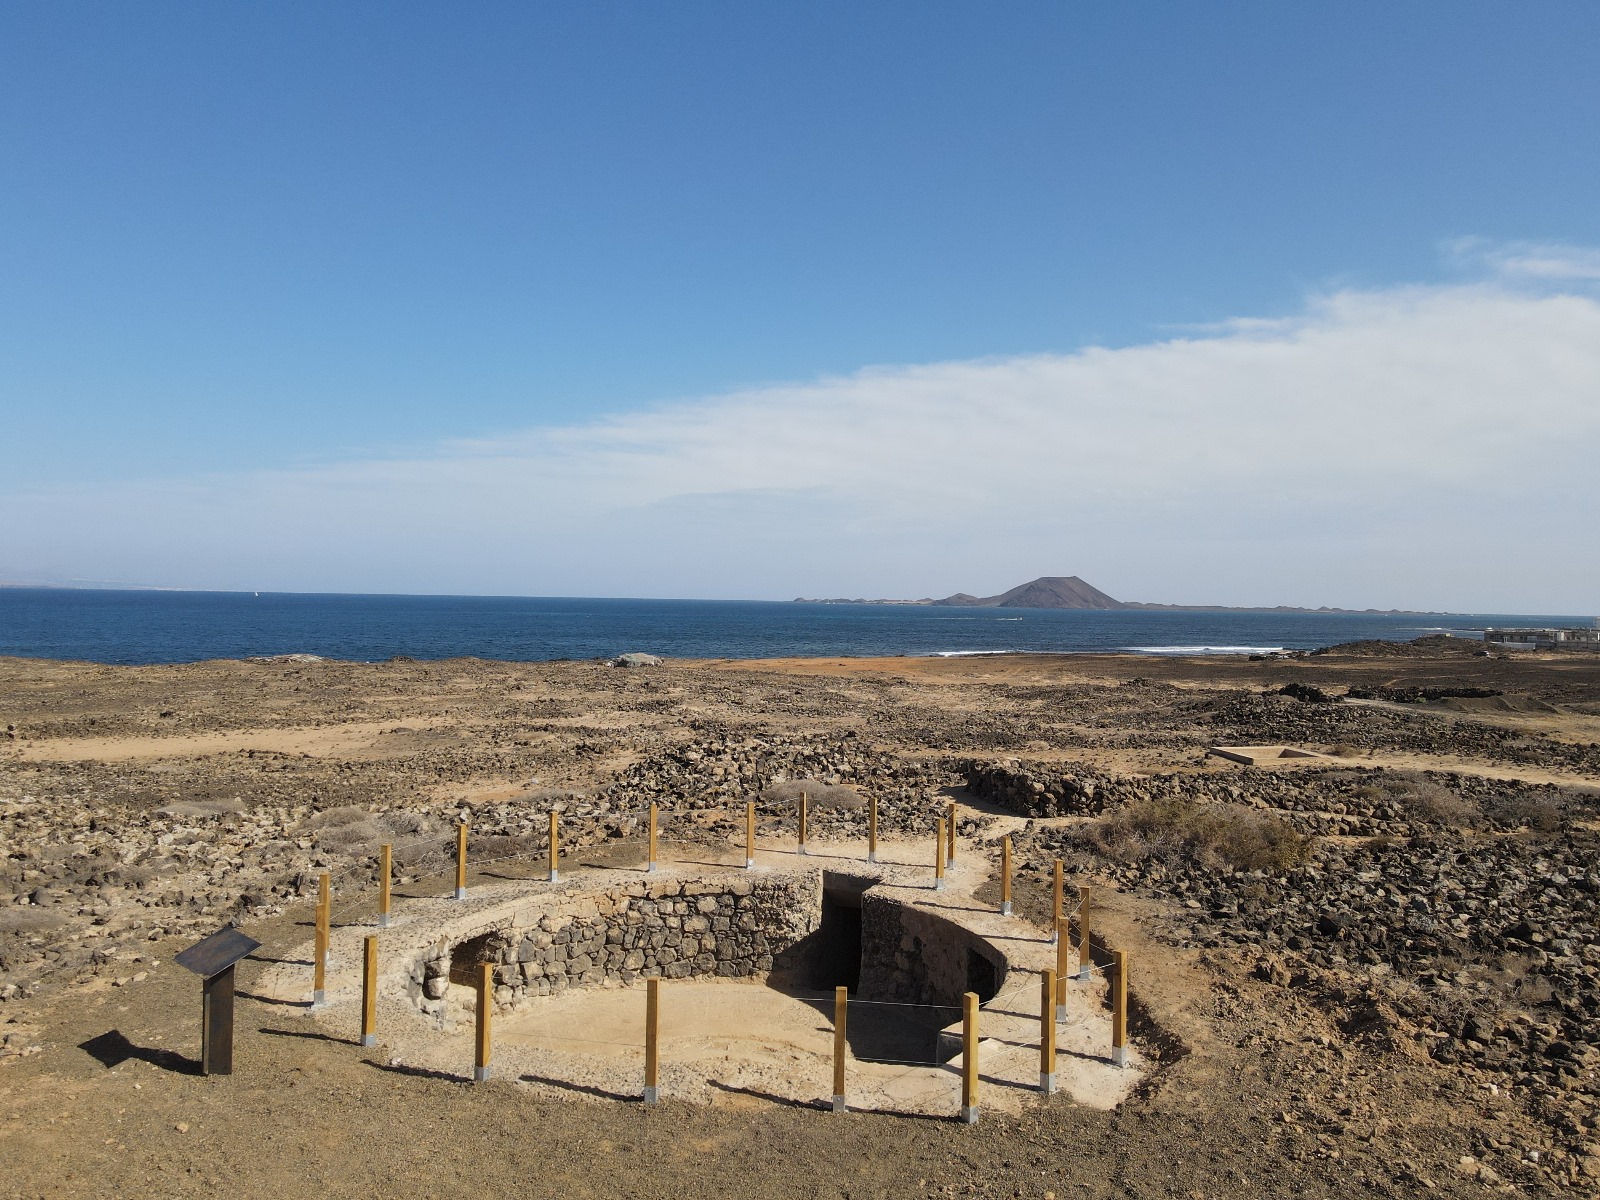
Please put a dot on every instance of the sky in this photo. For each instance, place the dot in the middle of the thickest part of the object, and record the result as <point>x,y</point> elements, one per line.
<point>1231,303</point>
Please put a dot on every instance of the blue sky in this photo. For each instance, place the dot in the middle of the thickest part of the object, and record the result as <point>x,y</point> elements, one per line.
<point>238,240</point>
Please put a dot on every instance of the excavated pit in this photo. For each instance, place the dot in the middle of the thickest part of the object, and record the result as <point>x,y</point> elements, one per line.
<point>749,962</point>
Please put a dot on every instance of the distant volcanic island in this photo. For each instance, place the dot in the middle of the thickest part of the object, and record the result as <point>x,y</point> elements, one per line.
<point>1068,591</point>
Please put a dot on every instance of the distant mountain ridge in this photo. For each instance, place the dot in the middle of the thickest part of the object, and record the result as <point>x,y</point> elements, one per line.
<point>1068,591</point>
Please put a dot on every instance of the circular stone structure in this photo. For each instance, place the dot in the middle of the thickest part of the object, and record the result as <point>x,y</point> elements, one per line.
<point>749,959</point>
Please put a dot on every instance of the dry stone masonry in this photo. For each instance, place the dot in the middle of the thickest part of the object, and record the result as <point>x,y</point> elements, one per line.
<point>669,928</point>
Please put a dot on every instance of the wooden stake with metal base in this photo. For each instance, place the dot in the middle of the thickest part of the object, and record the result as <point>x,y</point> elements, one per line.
<point>803,807</point>
<point>650,860</point>
<point>1005,876</point>
<point>950,833</point>
<point>749,835</point>
<point>1119,1008</point>
<point>385,875</point>
<point>872,829</point>
<point>461,861</point>
<point>1047,1033</point>
<point>1085,961</point>
<point>481,1045</point>
<point>555,851</point>
<point>319,970</point>
<point>369,991</point>
<point>1063,946</point>
<point>969,1058</point>
<point>841,1003</point>
<point>938,856</point>
<point>652,1041</point>
<point>1057,902</point>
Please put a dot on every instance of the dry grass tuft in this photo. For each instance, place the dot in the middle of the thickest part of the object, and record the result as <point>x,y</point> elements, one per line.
<point>1212,835</point>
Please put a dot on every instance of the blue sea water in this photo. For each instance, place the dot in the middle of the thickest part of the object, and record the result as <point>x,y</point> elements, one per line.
<point>166,627</point>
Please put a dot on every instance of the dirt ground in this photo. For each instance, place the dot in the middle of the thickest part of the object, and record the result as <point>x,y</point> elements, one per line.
<point>1259,1088</point>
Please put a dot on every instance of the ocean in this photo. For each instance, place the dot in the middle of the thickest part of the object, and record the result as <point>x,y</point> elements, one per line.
<point>137,627</point>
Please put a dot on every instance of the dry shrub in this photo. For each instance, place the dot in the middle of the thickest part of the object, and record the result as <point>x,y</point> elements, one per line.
<point>1420,798</point>
<point>818,794</point>
<point>1539,813</point>
<point>1212,835</point>
<point>331,818</point>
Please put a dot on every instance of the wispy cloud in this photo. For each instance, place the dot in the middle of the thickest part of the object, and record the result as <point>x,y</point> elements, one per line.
<point>1431,447</point>
<point>1538,262</point>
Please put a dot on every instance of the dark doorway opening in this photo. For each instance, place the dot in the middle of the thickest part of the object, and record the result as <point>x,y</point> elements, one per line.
<point>837,962</point>
<point>982,977</point>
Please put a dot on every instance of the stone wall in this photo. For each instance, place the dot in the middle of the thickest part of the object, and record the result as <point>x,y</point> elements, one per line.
<point>671,928</point>
<point>917,957</point>
<point>1019,790</point>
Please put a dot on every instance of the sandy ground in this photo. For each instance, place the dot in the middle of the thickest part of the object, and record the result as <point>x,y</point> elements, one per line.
<point>1250,1088</point>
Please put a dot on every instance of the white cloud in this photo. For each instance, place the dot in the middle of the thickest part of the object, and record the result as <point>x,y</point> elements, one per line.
<point>1532,262</point>
<point>1426,447</point>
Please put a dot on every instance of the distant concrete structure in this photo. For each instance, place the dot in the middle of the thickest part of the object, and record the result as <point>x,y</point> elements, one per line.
<point>1582,637</point>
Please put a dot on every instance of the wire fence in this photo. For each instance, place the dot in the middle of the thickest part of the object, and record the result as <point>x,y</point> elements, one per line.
<point>428,854</point>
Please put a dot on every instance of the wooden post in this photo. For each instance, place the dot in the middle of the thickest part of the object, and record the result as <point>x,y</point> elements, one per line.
<point>1005,876</point>
<point>385,877</point>
<point>803,806</point>
<point>872,829</point>
<point>1119,1008</point>
<point>216,1023</point>
<point>319,980</point>
<point>969,1058</point>
<point>650,861</point>
<point>938,856</point>
<point>749,835</point>
<point>1057,905</point>
<point>652,1040</point>
<point>1085,961</point>
<point>480,1056</point>
<point>1047,1033</point>
<point>950,828</point>
<point>555,851</point>
<point>1063,947</point>
<point>461,861</point>
<point>841,1002</point>
<point>369,991</point>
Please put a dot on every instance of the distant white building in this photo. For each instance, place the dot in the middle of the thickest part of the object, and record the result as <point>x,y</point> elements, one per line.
<point>1586,637</point>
